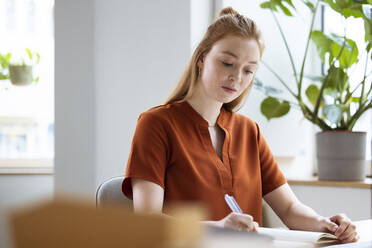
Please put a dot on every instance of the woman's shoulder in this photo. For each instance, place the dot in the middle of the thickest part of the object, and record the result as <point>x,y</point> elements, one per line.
<point>241,124</point>
<point>158,113</point>
<point>240,119</point>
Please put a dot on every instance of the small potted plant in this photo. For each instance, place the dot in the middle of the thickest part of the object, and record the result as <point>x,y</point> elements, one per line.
<point>329,101</point>
<point>19,72</point>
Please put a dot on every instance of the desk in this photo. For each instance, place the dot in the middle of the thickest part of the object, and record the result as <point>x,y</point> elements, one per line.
<point>364,229</point>
<point>222,238</point>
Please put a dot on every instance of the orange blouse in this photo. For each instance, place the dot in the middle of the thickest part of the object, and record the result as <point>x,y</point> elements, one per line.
<point>172,147</point>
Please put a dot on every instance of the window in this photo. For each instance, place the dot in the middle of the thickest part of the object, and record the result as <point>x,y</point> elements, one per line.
<point>27,112</point>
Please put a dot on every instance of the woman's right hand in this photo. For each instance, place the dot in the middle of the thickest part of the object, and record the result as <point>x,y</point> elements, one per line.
<point>239,222</point>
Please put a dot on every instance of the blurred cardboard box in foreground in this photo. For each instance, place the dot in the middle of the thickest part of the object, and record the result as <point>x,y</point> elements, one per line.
<point>70,223</point>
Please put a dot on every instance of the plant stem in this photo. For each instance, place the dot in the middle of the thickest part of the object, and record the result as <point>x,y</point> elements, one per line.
<point>279,78</point>
<point>320,95</point>
<point>319,122</point>
<point>362,82</point>
<point>350,124</point>
<point>307,48</point>
<point>286,45</point>
<point>364,79</point>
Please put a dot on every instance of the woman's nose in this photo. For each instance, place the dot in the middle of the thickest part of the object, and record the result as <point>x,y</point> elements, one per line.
<point>235,76</point>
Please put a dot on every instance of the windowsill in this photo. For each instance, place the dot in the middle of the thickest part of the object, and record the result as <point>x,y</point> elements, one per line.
<point>26,166</point>
<point>367,183</point>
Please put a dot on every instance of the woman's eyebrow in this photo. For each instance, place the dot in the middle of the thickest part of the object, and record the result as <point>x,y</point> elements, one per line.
<point>235,56</point>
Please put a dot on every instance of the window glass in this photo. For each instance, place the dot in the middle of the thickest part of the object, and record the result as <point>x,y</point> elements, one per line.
<point>27,112</point>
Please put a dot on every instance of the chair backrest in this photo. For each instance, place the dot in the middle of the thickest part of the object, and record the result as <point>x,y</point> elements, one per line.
<point>109,193</point>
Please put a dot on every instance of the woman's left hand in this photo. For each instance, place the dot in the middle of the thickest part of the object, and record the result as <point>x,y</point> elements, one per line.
<point>342,227</point>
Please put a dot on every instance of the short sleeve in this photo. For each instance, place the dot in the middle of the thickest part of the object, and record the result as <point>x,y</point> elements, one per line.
<point>271,175</point>
<point>148,156</point>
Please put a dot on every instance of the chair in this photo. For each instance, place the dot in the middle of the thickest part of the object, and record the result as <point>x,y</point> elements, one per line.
<point>109,193</point>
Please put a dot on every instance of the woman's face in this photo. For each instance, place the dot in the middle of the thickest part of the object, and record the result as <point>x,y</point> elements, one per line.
<point>228,69</point>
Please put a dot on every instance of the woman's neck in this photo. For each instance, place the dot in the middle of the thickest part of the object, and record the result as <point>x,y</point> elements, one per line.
<point>207,108</point>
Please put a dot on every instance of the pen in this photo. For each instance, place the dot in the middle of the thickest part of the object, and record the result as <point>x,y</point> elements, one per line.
<point>230,200</point>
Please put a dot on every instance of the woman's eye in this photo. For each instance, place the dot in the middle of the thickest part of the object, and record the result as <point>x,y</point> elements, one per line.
<point>226,64</point>
<point>248,72</point>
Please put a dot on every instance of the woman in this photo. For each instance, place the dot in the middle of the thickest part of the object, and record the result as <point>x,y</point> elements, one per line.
<point>195,148</point>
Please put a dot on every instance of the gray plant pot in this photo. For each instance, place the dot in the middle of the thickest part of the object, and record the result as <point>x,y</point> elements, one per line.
<point>20,74</point>
<point>341,155</point>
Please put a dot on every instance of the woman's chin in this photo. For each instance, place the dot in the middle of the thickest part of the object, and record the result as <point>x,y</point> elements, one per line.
<point>225,100</point>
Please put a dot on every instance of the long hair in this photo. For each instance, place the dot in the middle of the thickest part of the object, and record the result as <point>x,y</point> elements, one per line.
<point>229,22</point>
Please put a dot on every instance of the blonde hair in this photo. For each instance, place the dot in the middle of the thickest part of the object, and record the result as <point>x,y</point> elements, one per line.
<point>229,22</point>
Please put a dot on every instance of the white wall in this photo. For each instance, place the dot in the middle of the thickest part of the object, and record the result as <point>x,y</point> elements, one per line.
<point>201,18</point>
<point>75,103</point>
<point>114,60</point>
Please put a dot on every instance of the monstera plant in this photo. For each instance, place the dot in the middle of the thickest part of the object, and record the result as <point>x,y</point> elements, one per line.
<point>330,101</point>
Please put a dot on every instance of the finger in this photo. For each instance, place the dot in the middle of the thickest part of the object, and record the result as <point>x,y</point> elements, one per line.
<point>233,220</point>
<point>339,218</point>
<point>331,226</point>
<point>248,221</point>
<point>341,229</point>
<point>351,229</point>
<point>230,221</point>
<point>245,220</point>
<point>255,228</point>
<point>357,237</point>
<point>350,238</point>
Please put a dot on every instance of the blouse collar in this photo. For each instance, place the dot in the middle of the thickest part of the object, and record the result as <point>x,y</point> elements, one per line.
<point>198,119</point>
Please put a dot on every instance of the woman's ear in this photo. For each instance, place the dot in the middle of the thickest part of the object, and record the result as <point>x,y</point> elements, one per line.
<point>201,62</point>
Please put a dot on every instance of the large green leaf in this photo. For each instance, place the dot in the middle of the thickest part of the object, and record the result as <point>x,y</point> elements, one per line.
<point>268,5</point>
<point>349,54</point>
<point>337,79</point>
<point>330,92</point>
<point>312,93</point>
<point>275,4</point>
<point>322,43</point>
<point>272,108</point>
<point>310,5</point>
<point>333,45</point>
<point>346,8</point>
<point>368,32</point>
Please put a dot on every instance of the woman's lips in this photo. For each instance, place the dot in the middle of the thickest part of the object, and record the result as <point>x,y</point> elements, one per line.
<point>227,89</point>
